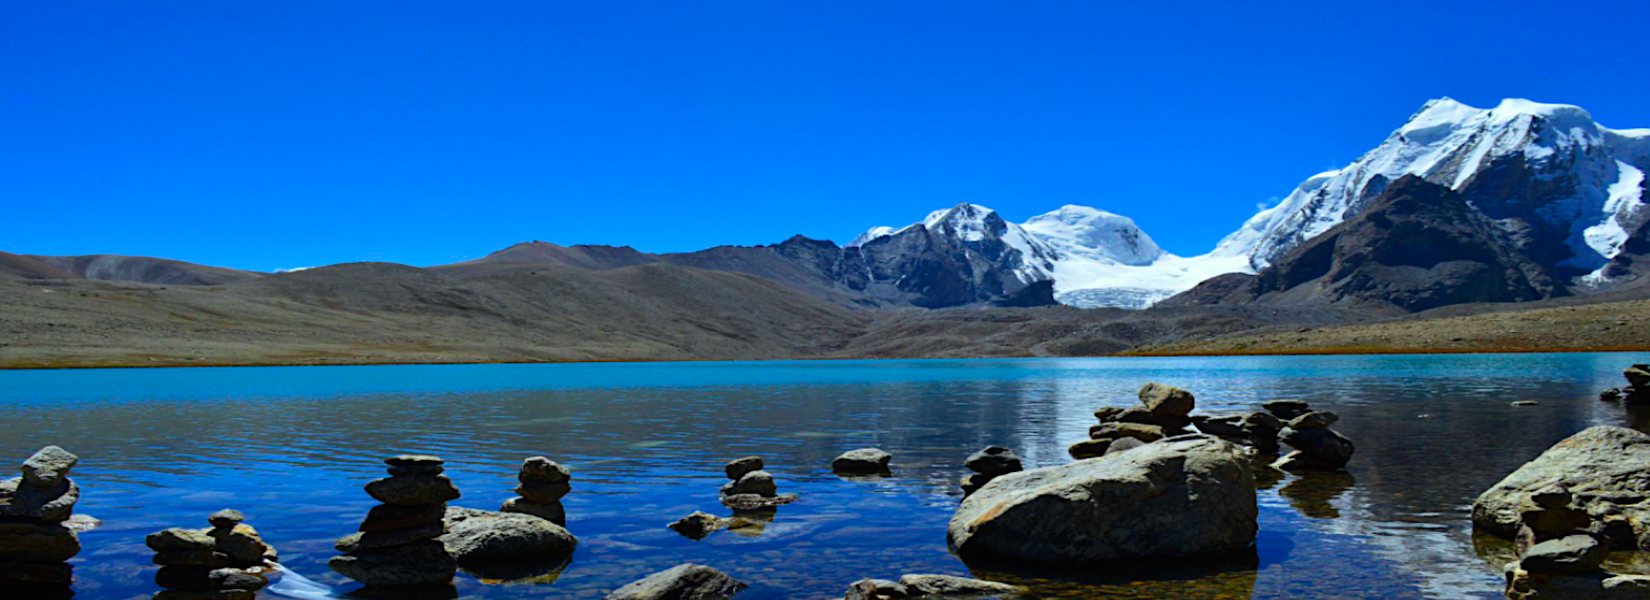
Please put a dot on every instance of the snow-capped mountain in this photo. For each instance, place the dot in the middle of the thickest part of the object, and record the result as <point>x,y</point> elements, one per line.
<point>1569,187</point>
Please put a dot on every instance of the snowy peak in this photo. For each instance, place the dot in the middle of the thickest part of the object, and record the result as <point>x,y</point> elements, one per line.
<point>1095,234</point>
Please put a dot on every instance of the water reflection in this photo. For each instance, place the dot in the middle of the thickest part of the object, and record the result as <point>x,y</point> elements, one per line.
<point>292,447</point>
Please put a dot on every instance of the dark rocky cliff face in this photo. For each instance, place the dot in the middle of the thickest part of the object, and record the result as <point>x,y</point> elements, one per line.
<point>1417,246</point>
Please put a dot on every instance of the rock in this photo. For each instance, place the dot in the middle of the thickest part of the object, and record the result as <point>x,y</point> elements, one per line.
<point>993,460</point>
<point>385,517</point>
<point>206,595</point>
<point>543,470</point>
<point>194,579</point>
<point>946,585</point>
<point>226,518</point>
<point>1085,449</point>
<point>549,511</point>
<point>191,558</point>
<point>544,492</point>
<point>1227,427</point>
<point>1637,375</point>
<point>759,483</point>
<point>180,540</point>
<point>483,536</point>
<point>682,582</point>
<point>876,589</point>
<point>1525,403</point>
<point>1606,468</point>
<point>972,483</point>
<point>1286,409</point>
<point>754,501</point>
<point>407,470</point>
<point>49,467</point>
<point>863,460</point>
<point>698,525</point>
<point>239,579</point>
<point>1124,445</point>
<point>242,545</point>
<point>414,489</point>
<point>1610,395</point>
<point>81,523</point>
<point>1188,496</point>
<point>423,563</point>
<point>36,542</point>
<point>1141,415</point>
<point>1315,450</point>
<point>1105,414</point>
<point>376,540</point>
<point>1577,554</point>
<point>1524,585</point>
<point>739,467</point>
<point>414,460</point>
<point>1317,419</point>
<point>1114,431</point>
<point>53,504</point>
<point>15,572</point>
<point>1263,420</point>
<point>1167,400</point>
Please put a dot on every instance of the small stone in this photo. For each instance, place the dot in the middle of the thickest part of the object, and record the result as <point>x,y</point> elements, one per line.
<point>863,460</point>
<point>226,518</point>
<point>1555,496</point>
<point>1610,395</point>
<point>1167,400</point>
<point>543,470</point>
<point>378,540</point>
<point>543,492</point>
<point>1315,450</point>
<point>687,582</point>
<point>759,483</point>
<point>1105,414</point>
<point>49,467</point>
<point>549,511</point>
<point>1090,448</point>
<point>1113,431</point>
<point>1525,403</point>
<point>417,489</point>
<point>993,460</point>
<point>974,482</point>
<point>698,525</point>
<point>1286,409</point>
<point>410,460</point>
<point>176,539</point>
<point>238,579</point>
<point>1577,554</point>
<point>191,558</point>
<point>1317,419</point>
<point>738,468</point>
<point>391,516</point>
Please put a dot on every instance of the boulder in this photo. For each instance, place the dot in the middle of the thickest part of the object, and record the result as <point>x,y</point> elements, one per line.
<point>1577,554</point>
<point>863,460</point>
<point>49,467</point>
<point>422,563</point>
<point>682,582</point>
<point>484,536</point>
<point>698,525</point>
<point>1189,496</point>
<point>37,542</point>
<point>413,489</point>
<point>758,483</point>
<point>1605,468</point>
<point>947,585</point>
<point>1167,400</point>
<point>739,467</point>
<point>1315,450</point>
<point>993,461</point>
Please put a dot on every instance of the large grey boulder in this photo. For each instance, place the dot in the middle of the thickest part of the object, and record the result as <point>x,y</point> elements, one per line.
<point>682,582</point>
<point>1605,468</point>
<point>480,536</point>
<point>1185,496</point>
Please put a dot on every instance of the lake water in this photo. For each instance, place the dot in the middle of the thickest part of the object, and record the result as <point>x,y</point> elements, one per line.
<point>292,446</point>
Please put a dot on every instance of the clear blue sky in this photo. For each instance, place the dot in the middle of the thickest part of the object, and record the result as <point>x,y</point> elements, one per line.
<point>276,134</point>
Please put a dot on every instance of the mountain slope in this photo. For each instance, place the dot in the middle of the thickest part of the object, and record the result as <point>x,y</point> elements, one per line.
<point>527,256</point>
<point>1415,247</point>
<point>110,267</point>
<point>17,266</point>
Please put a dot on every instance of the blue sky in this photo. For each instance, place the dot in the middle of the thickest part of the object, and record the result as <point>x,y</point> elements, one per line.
<point>280,134</point>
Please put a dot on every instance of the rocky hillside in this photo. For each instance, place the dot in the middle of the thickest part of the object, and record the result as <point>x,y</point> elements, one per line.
<point>109,267</point>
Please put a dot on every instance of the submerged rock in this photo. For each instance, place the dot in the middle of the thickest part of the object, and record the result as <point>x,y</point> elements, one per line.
<point>862,461</point>
<point>682,582</point>
<point>1605,468</point>
<point>949,586</point>
<point>483,536</point>
<point>698,525</point>
<point>1188,496</point>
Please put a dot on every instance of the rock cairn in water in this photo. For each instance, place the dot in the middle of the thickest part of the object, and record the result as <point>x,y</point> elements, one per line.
<point>397,545</point>
<point>1316,446</point>
<point>988,464</point>
<point>1637,390</point>
<point>543,483</point>
<point>1164,411</point>
<point>1559,556</point>
<point>36,537</point>
<point>750,487</point>
<point>226,561</point>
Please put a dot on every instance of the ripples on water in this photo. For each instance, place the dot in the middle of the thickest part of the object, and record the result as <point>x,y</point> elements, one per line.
<point>292,446</point>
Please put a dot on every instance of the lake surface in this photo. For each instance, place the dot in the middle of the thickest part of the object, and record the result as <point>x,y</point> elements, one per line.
<point>292,446</point>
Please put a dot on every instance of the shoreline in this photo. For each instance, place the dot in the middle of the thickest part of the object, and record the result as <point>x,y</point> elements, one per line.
<point>1347,351</point>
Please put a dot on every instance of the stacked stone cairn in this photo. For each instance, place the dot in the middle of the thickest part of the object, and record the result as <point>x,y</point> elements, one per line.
<point>397,547</point>
<point>543,484</point>
<point>36,533</point>
<point>1554,540</point>
<point>988,464</point>
<point>224,562</point>
<point>750,487</point>
<point>1164,412</point>
<point>1637,390</point>
<point>1316,446</point>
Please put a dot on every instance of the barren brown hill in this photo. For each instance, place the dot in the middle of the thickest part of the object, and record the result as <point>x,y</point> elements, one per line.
<point>110,267</point>
<point>17,266</point>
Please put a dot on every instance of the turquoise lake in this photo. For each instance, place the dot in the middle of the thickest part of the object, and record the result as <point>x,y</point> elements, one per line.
<point>292,446</point>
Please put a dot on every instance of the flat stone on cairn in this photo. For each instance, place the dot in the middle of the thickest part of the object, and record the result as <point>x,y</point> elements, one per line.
<point>751,487</point>
<point>35,541</point>
<point>397,545</point>
<point>226,561</point>
<point>1317,447</point>
<point>864,461</point>
<point>543,484</point>
<point>988,464</point>
<point>1638,385</point>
